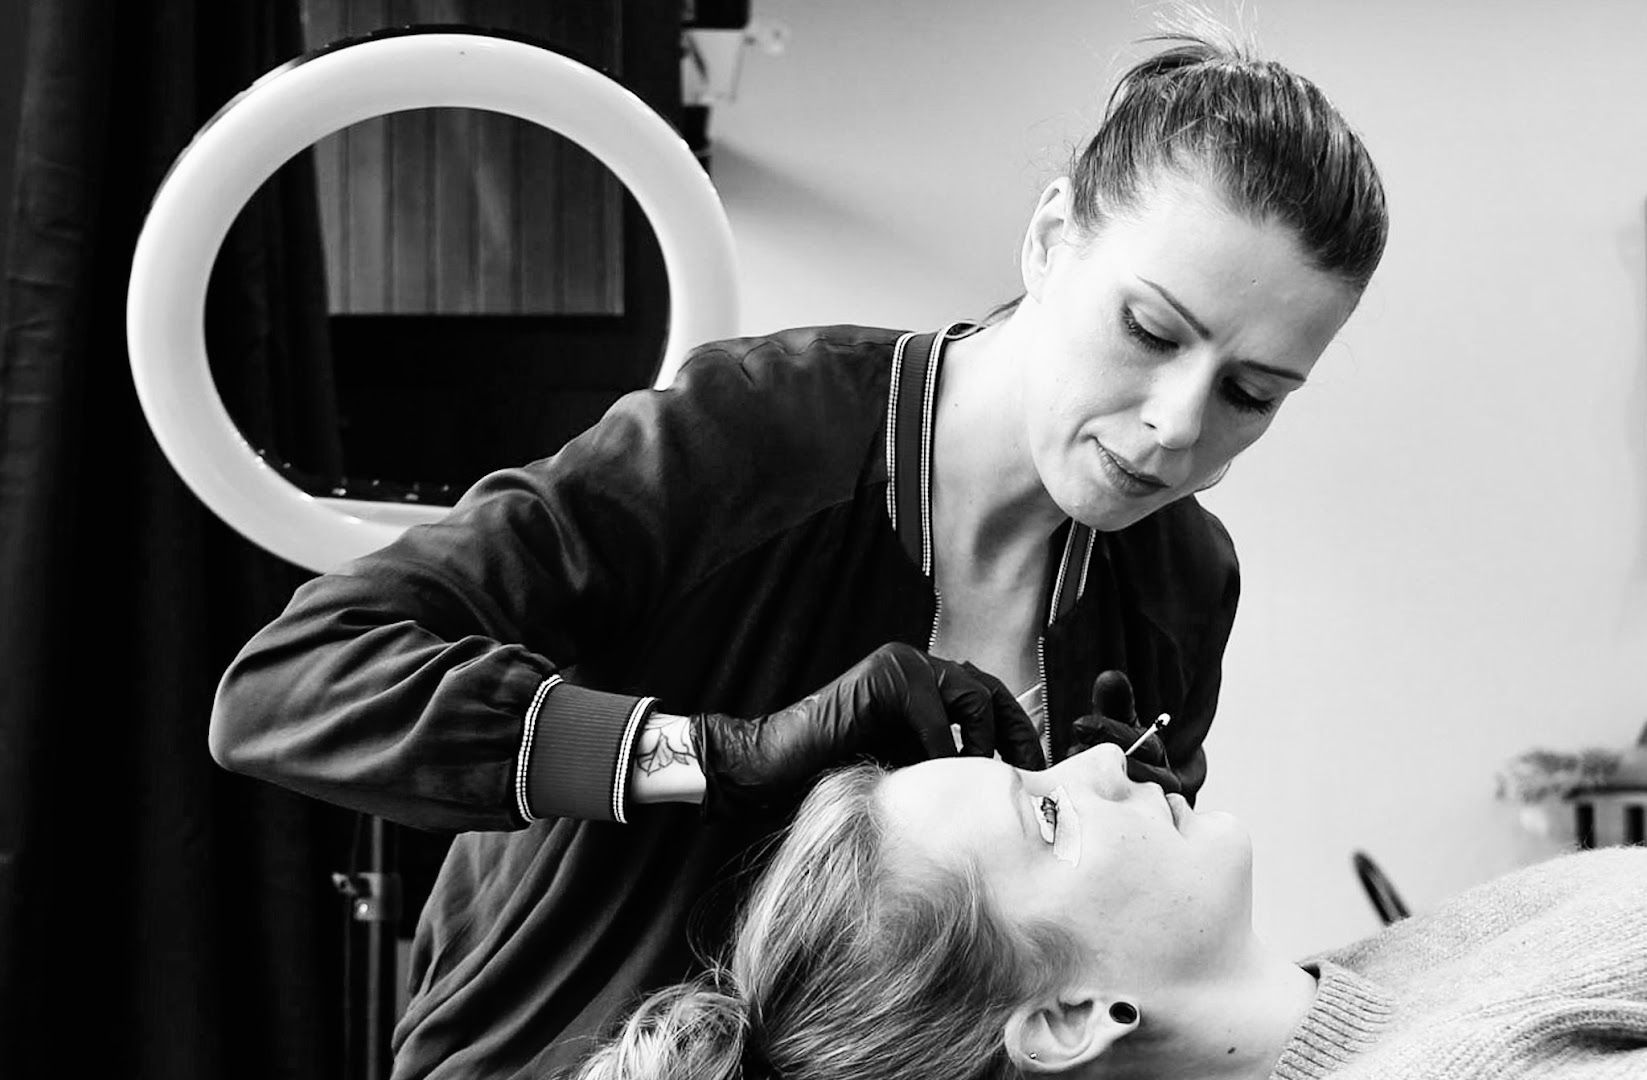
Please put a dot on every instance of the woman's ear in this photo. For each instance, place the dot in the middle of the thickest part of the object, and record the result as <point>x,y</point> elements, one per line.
<point>1058,1034</point>
<point>1047,230</point>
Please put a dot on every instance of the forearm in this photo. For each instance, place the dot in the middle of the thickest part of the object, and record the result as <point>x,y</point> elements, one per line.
<point>393,722</point>
<point>664,766</point>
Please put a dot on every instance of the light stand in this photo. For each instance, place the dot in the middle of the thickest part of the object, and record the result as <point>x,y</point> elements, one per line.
<point>369,948</point>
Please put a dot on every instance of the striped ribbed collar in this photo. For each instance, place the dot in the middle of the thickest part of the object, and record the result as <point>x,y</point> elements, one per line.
<point>916,362</point>
<point>1349,1015</point>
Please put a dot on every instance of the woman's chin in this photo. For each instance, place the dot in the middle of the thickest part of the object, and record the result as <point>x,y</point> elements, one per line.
<point>1108,513</point>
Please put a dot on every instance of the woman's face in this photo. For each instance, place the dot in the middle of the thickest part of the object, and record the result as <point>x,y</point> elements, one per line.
<point>1154,891</point>
<point>1160,348</point>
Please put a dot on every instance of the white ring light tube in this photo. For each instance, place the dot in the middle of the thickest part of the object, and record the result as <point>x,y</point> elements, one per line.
<point>289,109</point>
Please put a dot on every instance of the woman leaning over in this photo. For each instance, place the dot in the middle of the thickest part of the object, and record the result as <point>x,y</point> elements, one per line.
<point>591,644</point>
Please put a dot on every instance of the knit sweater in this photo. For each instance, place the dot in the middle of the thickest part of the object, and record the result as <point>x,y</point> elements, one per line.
<point>1542,972</point>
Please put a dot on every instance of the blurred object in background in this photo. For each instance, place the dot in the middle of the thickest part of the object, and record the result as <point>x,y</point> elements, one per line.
<point>1605,789</point>
<point>1385,900</point>
<point>1613,810</point>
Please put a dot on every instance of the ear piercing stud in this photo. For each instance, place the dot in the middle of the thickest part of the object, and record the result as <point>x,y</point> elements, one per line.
<point>1122,1012</point>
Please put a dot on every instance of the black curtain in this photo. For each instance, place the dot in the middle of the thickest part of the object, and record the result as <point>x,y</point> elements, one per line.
<point>158,916</point>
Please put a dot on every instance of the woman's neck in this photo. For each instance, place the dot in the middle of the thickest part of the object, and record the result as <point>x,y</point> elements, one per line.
<point>1230,1025</point>
<point>991,514</point>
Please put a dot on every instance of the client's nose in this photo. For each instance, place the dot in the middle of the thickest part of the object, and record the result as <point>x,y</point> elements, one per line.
<point>1102,768</point>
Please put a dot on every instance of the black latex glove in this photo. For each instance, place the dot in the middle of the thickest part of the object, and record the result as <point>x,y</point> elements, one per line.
<point>895,706</point>
<point>1114,719</point>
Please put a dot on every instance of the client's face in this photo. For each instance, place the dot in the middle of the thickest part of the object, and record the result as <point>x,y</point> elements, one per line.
<point>1152,888</point>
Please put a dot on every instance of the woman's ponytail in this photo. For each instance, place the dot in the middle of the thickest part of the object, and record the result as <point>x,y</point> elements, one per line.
<point>688,1032</point>
<point>1205,107</point>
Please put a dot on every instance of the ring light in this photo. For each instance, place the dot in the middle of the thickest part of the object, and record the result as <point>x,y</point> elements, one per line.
<point>289,109</point>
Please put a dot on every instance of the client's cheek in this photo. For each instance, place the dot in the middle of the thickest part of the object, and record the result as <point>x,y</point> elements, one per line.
<point>1066,847</point>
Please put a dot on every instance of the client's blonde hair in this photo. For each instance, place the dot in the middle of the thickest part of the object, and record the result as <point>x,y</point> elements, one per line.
<point>850,962</point>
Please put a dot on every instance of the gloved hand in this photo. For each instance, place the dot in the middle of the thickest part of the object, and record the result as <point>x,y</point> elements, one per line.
<point>895,706</point>
<point>1114,719</point>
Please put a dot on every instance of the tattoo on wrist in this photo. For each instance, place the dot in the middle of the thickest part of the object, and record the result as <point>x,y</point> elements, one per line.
<point>664,746</point>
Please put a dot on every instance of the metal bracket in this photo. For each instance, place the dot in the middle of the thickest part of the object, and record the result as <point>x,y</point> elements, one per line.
<point>373,897</point>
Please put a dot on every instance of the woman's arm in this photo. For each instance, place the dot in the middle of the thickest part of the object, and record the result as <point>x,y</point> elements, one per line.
<point>665,767</point>
<point>422,682</point>
<point>898,705</point>
<point>403,686</point>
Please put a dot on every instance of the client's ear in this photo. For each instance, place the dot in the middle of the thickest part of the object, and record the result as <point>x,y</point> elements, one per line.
<point>1055,1035</point>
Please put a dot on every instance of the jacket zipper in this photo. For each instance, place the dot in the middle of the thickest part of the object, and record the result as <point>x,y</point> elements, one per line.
<point>1046,698</point>
<point>926,549</point>
<point>1040,670</point>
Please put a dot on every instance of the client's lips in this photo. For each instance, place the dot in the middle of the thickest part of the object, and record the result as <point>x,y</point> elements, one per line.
<point>1179,808</point>
<point>1127,477</point>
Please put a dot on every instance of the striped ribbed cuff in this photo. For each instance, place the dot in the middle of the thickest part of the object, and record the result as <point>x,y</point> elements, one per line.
<point>620,778</point>
<point>575,750</point>
<point>527,739</point>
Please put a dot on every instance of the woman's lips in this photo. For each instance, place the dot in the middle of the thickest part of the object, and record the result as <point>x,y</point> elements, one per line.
<point>1179,808</point>
<point>1125,479</point>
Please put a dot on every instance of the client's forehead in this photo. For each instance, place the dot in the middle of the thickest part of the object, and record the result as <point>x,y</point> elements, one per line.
<point>941,794</point>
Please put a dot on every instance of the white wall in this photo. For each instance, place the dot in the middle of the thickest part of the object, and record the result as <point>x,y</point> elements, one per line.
<point>1444,538</point>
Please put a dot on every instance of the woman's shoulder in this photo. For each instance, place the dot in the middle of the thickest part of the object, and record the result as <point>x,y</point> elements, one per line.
<point>1599,875</point>
<point>1606,877</point>
<point>811,356</point>
<point>1569,906</point>
<point>1543,965</point>
<point>1598,879</point>
<point>1181,552</point>
<point>1188,524</point>
<point>794,394</point>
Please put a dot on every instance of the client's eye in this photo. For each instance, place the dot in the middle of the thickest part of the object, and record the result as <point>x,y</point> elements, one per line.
<point>1046,816</point>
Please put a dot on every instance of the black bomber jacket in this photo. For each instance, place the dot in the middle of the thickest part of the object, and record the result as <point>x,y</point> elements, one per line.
<point>729,544</point>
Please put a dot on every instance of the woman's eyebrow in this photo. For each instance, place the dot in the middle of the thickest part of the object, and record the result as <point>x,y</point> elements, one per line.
<point>1202,332</point>
<point>1184,313</point>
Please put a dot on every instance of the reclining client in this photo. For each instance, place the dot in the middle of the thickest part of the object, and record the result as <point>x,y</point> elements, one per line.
<point>962,918</point>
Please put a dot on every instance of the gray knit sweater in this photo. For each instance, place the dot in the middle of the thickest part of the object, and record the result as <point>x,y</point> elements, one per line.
<point>1540,973</point>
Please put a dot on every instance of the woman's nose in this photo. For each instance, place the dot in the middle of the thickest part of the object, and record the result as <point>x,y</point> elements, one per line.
<point>1176,407</point>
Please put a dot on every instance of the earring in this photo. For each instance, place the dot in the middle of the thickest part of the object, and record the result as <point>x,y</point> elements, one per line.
<point>1124,1012</point>
<point>1033,1055</point>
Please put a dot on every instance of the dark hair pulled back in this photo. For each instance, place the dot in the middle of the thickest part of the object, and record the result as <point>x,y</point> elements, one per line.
<point>1266,138</point>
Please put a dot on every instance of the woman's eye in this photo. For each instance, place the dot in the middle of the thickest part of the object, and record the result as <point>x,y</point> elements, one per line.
<point>1136,331</point>
<point>1046,816</point>
<point>1244,401</point>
